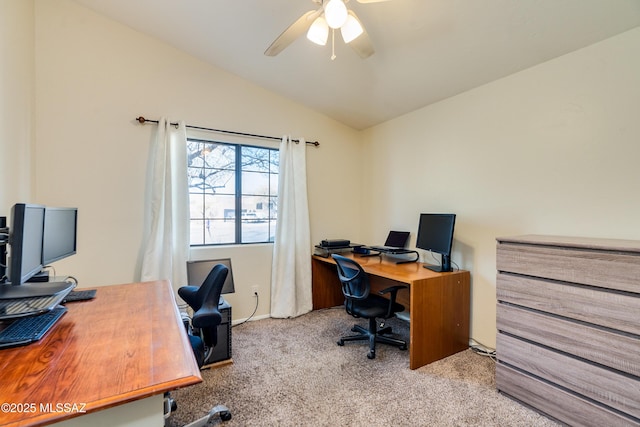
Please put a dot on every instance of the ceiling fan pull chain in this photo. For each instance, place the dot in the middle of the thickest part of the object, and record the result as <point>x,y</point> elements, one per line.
<point>333,44</point>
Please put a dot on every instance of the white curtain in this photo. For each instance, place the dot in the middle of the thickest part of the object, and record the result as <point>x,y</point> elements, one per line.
<point>291,269</point>
<point>165,247</point>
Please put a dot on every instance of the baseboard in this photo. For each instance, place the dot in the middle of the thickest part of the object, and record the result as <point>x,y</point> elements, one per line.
<point>250,319</point>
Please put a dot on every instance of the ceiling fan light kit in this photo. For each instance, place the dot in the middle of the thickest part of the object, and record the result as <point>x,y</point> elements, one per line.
<point>319,31</point>
<point>316,23</point>
<point>352,29</point>
<point>335,11</point>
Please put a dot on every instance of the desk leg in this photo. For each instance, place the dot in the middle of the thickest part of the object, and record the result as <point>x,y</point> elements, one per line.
<point>325,285</point>
<point>439,318</point>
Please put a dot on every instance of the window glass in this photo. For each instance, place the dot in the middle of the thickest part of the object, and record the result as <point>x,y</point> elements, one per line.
<point>220,186</point>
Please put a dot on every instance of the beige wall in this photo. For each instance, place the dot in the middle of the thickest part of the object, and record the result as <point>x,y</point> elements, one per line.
<point>93,77</point>
<point>550,150</point>
<point>16,102</point>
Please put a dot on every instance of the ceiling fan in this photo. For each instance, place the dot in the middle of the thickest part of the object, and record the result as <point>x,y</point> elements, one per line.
<point>331,15</point>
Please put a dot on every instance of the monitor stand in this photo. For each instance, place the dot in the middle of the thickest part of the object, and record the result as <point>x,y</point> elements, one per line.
<point>445,267</point>
<point>30,290</point>
<point>436,268</point>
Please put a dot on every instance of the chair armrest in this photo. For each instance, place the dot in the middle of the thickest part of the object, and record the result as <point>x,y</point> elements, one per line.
<point>393,291</point>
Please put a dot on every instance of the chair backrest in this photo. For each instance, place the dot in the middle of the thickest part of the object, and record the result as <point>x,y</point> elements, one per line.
<point>207,317</point>
<point>209,293</point>
<point>354,280</point>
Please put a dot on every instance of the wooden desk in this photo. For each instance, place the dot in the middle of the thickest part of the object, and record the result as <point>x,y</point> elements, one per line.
<point>127,344</point>
<point>438,303</point>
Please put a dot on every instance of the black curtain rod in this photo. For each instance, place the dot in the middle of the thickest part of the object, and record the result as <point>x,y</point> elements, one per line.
<point>142,121</point>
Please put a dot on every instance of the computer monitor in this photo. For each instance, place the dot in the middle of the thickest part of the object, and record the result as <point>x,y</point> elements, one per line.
<point>435,234</point>
<point>197,271</point>
<point>26,233</point>
<point>60,234</point>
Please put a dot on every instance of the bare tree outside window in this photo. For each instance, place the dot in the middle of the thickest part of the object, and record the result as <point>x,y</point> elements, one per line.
<point>233,192</point>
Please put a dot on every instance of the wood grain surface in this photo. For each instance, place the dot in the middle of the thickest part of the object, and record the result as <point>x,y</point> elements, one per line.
<point>126,344</point>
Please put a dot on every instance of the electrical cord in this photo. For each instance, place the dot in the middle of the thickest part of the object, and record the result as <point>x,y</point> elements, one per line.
<point>483,350</point>
<point>456,268</point>
<point>252,314</point>
<point>52,268</point>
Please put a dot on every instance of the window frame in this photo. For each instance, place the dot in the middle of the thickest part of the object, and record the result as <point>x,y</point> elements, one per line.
<point>238,194</point>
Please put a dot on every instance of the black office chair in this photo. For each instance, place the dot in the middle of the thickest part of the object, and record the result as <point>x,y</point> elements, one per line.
<point>204,300</point>
<point>359,302</point>
<point>203,330</point>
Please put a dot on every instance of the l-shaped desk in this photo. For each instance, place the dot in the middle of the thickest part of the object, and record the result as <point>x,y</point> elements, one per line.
<point>438,303</point>
<point>107,361</point>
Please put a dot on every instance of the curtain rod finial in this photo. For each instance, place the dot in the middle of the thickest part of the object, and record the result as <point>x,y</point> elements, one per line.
<point>141,120</point>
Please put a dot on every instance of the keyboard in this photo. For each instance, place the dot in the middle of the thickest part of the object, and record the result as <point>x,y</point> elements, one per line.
<point>29,329</point>
<point>19,307</point>
<point>83,295</point>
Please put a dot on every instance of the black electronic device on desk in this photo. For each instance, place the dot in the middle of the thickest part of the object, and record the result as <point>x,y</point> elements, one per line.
<point>435,234</point>
<point>394,245</point>
<point>80,295</point>
<point>396,241</point>
<point>332,246</point>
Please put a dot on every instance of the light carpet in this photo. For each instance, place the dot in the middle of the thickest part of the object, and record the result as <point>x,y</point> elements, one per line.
<point>291,372</point>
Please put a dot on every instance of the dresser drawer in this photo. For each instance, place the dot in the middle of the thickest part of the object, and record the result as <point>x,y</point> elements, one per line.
<point>614,310</point>
<point>606,269</point>
<point>560,404</point>
<point>611,388</point>
<point>599,345</point>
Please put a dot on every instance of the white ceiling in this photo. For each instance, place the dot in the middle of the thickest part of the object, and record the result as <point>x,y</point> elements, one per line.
<point>426,50</point>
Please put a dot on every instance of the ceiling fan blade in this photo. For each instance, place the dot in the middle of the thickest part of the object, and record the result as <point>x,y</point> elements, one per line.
<point>294,31</point>
<point>362,44</point>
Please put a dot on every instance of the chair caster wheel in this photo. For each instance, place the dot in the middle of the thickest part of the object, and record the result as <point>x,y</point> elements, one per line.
<point>371,355</point>
<point>225,416</point>
<point>340,343</point>
<point>403,347</point>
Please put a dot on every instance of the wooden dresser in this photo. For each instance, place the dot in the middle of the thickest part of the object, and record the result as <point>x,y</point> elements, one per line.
<point>568,320</point>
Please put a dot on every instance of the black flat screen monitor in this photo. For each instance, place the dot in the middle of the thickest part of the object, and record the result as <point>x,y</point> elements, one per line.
<point>26,233</point>
<point>60,231</point>
<point>197,271</point>
<point>435,234</point>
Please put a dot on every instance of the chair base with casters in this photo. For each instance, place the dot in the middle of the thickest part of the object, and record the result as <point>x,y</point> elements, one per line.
<point>373,335</point>
<point>217,411</point>
<point>170,406</point>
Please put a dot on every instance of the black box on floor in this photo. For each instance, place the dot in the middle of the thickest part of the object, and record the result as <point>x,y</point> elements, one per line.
<point>222,351</point>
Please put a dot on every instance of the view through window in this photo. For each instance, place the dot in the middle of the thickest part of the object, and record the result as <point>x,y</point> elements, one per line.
<point>233,192</point>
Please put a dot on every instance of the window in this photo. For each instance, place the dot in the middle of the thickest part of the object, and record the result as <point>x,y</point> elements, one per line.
<point>233,192</point>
